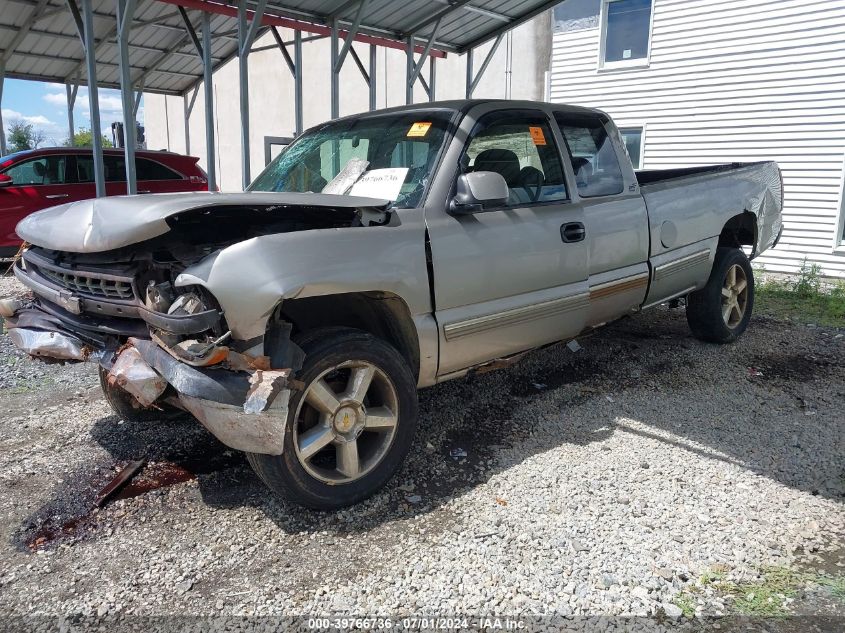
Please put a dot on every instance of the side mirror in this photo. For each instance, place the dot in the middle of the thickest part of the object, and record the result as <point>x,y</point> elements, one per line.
<point>478,189</point>
<point>5,180</point>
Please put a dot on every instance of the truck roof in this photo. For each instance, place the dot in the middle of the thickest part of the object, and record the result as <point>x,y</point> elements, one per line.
<point>464,105</point>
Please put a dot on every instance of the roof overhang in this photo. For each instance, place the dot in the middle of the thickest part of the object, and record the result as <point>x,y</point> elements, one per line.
<point>39,38</point>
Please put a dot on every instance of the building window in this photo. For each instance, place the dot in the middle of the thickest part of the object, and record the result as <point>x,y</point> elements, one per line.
<point>626,32</point>
<point>633,138</point>
<point>576,15</point>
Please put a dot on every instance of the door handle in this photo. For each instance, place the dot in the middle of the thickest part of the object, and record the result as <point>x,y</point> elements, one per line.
<point>143,191</point>
<point>572,232</point>
<point>57,195</point>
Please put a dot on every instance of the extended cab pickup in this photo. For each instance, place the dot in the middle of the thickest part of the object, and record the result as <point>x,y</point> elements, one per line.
<point>381,253</point>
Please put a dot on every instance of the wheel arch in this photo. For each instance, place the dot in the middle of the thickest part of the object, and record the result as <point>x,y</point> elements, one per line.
<point>382,314</point>
<point>740,230</point>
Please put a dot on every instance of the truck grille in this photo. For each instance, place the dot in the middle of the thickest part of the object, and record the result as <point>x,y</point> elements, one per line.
<point>91,285</point>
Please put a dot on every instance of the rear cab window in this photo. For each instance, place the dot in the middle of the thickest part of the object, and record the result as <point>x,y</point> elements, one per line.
<point>594,159</point>
<point>519,145</point>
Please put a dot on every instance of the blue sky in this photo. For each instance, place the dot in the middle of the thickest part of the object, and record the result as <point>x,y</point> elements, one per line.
<point>44,105</point>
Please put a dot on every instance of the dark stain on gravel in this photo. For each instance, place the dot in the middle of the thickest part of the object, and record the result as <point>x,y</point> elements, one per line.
<point>526,385</point>
<point>72,515</point>
<point>793,367</point>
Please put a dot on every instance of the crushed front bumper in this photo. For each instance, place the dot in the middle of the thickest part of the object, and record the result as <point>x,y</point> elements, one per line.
<point>246,410</point>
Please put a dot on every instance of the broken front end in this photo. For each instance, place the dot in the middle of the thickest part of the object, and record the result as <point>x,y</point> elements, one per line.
<point>161,344</point>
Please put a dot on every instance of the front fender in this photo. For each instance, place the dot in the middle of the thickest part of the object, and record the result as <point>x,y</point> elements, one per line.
<point>250,278</point>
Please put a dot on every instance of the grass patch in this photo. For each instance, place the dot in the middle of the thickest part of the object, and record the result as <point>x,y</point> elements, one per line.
<point>767,597</point>
<point>802,298</point>
<point>686,603</point>
<point>836,585</point>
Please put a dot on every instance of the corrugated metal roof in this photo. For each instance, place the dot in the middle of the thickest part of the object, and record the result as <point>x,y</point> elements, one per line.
<point>39,40</point>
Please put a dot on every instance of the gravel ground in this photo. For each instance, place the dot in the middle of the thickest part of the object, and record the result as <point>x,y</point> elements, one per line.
<point>601,482</point>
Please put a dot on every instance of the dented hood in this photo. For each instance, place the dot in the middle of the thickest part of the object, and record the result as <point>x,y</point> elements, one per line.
<point>104,224</point>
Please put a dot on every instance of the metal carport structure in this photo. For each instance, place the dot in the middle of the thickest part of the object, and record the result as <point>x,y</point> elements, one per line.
<point>172,46</point>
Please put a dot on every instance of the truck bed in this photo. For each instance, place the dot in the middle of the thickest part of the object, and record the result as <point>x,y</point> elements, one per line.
<point>651,176</point>
<point>695,202</point>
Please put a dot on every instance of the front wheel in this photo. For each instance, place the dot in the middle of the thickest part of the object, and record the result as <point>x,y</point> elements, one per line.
<point>126,407</point>
<point>350,428</point>
<point>719,312</point>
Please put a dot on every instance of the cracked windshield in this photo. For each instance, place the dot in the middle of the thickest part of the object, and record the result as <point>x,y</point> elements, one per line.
<point>389,157</point>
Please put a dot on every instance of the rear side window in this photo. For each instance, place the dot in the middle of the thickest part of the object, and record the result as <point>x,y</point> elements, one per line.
<point>151,170</point>
<point>47,170</point>
<point>518,145</point>
<point>594,161</point>
<point>115,168</point>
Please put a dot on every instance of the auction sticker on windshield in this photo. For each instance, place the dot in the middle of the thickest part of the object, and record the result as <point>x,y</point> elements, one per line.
<point>537,135</point>
<point>380,183</point>
<point>419,129</point>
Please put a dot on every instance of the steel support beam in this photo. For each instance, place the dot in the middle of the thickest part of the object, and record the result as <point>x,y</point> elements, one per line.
<point>189,108</point>
<point>210,167</point>
<point>339,54</point>
<point>424,84</point>
<point>295,24</point>
<point>468,92</point>
<point>138,96</point>
<point>366,74</point>
<point>409,69</point>
<point>335,71</point>
<point>353,31</point>
<point>125,11</point>
<point>280,44</point>
<point>472,82</point>
<point>71,102</point>
<point>2,126</point>
<point>372,77</point>
<point>86,22</point>
<point>297,81</point>
<point>247,31</point>
<point>417,68</point>
<point>432,78</point>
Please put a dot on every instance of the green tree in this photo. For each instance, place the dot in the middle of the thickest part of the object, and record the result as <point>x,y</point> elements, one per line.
<point>24,136</point>
<point>84,138</point>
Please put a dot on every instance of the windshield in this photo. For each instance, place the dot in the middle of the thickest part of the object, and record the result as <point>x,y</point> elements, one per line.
<point>389,156</point>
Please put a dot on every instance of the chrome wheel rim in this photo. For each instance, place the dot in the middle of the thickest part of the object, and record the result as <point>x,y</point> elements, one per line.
<point>345,422</point>
<point>734,296</point>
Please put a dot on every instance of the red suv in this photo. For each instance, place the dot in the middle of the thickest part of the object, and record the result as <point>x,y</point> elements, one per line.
<point>36,179</point>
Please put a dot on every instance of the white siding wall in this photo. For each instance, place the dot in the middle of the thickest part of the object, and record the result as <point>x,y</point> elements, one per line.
<point>735,80</point>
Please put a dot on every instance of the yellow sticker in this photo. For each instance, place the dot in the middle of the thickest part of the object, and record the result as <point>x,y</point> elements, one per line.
<point>537,135</point>
<point>419,128</point>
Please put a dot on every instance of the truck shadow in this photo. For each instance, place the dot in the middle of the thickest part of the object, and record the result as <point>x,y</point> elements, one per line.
<point>772,421</point>
<point>650,367</point>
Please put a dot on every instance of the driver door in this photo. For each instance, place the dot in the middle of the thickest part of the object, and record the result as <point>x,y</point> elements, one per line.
<point>513,277</point>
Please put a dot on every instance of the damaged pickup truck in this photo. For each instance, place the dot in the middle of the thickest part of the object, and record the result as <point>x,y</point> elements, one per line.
<point>378,254</point>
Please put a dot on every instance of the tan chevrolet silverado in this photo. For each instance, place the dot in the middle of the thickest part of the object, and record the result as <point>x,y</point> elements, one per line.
<point>378,254</point>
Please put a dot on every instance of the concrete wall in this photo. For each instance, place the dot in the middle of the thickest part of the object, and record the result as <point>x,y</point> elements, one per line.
<point>272,93</point>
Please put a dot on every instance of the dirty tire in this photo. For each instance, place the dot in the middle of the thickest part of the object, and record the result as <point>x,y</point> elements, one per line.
<point>125,406</point>
<point>706,307</point>
<point>325,349</point>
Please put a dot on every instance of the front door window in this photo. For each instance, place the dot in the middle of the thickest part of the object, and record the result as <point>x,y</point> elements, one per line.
<point>519,146</point>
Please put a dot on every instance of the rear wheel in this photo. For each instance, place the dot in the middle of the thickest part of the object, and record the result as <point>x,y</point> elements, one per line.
<point>719,312</point>
<point>351,426</point>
